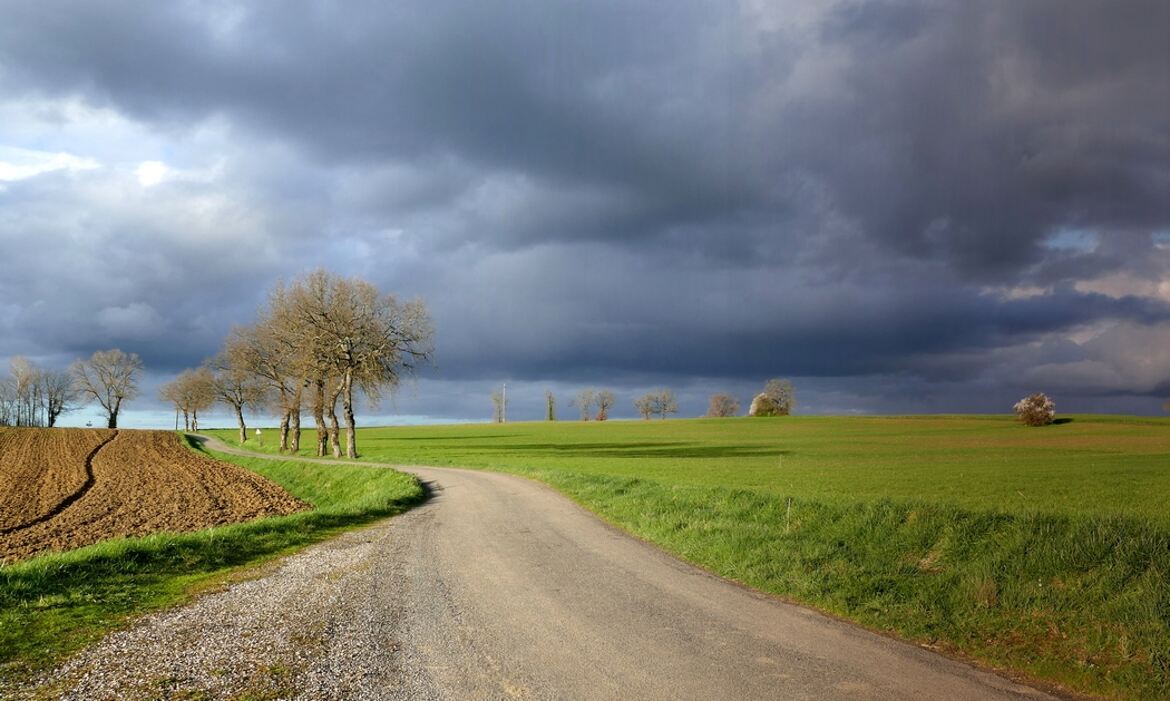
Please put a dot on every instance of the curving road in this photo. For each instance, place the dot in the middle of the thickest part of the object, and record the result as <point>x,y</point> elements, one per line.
<point>500,588</point>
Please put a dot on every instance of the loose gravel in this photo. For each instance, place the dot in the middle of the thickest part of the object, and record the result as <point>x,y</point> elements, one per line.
<point>323,625</point>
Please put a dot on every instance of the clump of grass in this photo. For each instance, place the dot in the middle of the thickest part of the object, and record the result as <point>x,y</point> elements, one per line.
<point>54,604</point>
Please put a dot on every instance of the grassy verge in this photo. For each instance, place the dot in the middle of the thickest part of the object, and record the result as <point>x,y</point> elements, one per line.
<point>54,604</point>
<point>1083,602</point>
<point>1044,551</point>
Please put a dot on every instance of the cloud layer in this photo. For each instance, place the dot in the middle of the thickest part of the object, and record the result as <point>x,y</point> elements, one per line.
<point>906,205</point>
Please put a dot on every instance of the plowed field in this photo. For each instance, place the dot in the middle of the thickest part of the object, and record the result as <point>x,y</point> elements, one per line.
<point>65,488</point>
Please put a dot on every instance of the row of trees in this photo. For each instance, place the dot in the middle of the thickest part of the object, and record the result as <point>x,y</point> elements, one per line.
<point>595,404</point>
<point>31,396</point>
<point>317,342</point>
<point>778,398</point>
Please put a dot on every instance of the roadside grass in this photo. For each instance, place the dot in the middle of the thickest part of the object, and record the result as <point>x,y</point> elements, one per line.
<point>55,604</point>
<point>1044,551</point>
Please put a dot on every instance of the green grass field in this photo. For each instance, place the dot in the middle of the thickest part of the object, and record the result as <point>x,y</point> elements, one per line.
<point>1092,465</point>
<point>55,604</point>
<point>1041,550</point>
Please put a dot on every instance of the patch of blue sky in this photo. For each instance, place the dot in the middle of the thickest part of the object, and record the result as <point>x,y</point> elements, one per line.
<point>1073,240</point>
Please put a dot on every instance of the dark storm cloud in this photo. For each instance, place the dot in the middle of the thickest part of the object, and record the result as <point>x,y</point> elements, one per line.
<point>639,190</point>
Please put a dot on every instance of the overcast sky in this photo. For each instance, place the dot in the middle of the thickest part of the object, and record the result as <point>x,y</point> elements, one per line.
<point>903,206</point>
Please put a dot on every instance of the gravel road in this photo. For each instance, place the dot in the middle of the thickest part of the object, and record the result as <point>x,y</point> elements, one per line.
<point>499,588</point>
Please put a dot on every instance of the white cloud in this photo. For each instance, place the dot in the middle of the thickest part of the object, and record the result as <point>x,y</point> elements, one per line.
<point>22,163</point>
<point>151,173</point>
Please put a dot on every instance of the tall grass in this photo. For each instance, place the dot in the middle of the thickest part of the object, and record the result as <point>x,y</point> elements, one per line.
<point>54,604</point>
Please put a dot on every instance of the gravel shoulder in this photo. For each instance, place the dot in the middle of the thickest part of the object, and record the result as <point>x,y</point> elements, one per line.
<point>500,588</point>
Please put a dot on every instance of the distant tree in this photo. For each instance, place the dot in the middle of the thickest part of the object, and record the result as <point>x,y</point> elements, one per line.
<point>1036,410</point>
<point>235,386</point>
<point>782,395</point>
<point>191,392</point>
<point>604,400</point>
<point>26,391</point>
<point>110,377</point>
<point>584,402</point>
<point>172,393</point>
<point>30,396</point>
<point>550,406</point>
<point>723,404</point>
<point>499,411</point>
<point>59,393</point>
<point>659,402</point>
<point>265,351</point>
<point>201,393</point>
<point>664,403</point>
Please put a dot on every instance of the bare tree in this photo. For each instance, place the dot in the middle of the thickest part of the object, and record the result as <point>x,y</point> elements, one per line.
<point>30,396</point>
<point>366,340</point>
<point>235,386</point>
<point>191,392</point>
<point>172,392</point>
<point>781,394</point>
<point>267,355</point>
<point>664,403</point>
<point>550,405</point>
<point>59,393</point>
<point>26,391</point>
<point>658,402</point>
<point>497,407</point>
<point>604,400</point>
<point>722,405</point>
<point>584,402</point>
<point>110,377</point>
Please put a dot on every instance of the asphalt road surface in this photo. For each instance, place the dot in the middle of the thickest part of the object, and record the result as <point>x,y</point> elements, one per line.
<point>500,588</point>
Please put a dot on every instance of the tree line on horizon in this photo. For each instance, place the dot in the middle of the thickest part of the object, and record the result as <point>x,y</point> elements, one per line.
<point>316,342</point>
<point>36,397</point>
<point>777,399</point>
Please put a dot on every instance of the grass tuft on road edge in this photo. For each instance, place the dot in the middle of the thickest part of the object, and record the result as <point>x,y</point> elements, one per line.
<point>55,604</point>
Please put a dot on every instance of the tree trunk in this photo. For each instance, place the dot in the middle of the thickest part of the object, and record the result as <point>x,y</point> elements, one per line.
<point>334,424</point>
<point>243,428</point>
<point>295,430</point>
<point>296,418</point>
<point>113,422</point>
<point>350,428</point>
<point>319,417</point>
<point>194,420</point>
<point>334,433</point>
<point>284,431</point>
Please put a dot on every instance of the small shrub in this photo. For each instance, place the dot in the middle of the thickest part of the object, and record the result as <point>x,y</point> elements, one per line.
<point>1036,410</point>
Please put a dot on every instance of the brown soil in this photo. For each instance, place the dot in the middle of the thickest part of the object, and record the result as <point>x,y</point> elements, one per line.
<point>64,488</point>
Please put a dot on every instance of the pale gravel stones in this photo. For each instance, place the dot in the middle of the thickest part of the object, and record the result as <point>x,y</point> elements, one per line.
<point>320,626</point>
